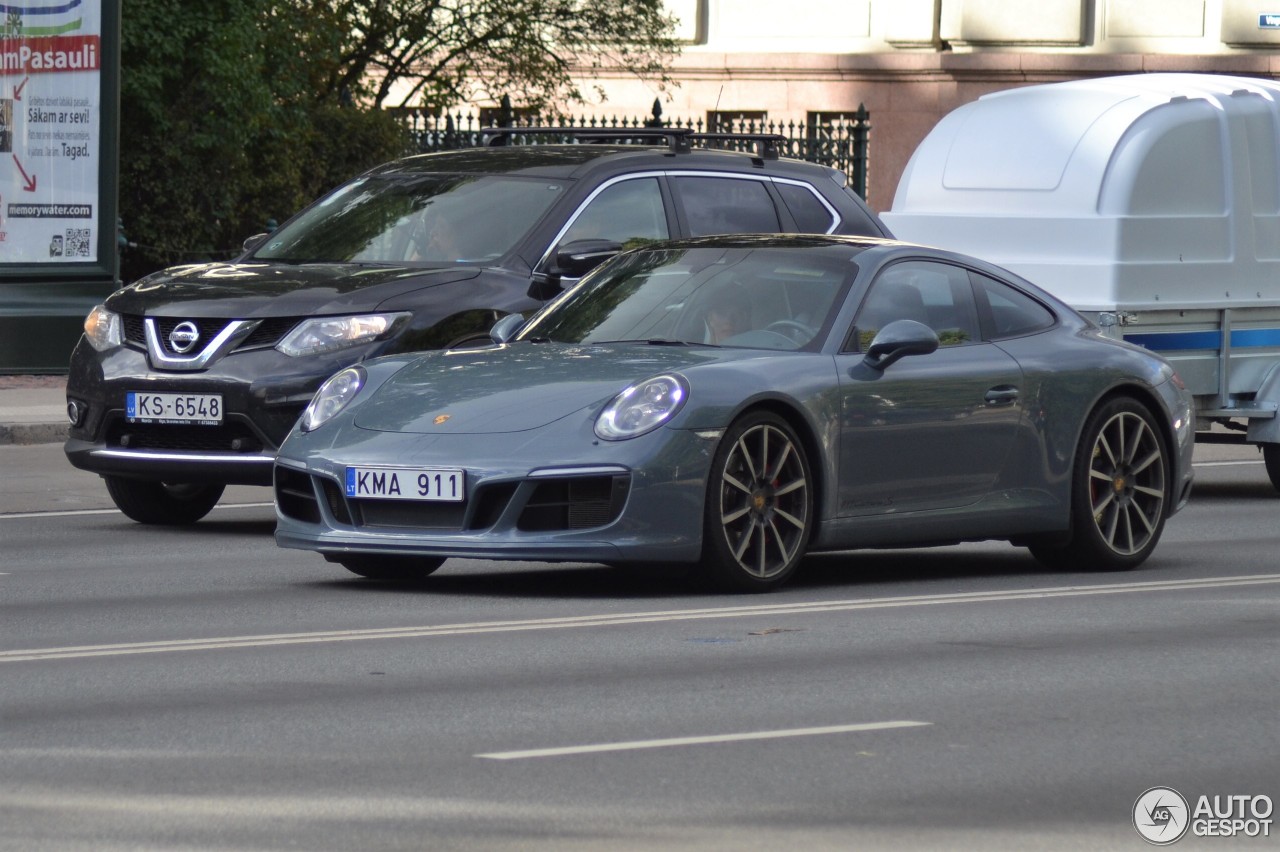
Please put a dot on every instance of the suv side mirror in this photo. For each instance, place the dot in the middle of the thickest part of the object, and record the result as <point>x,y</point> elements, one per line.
<point>544,286</point>
<point>571,260</point>
<point>576,259</point>
<point>899,338</point>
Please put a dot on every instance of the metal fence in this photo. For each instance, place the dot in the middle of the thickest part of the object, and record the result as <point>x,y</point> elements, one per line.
<point>840,143</point>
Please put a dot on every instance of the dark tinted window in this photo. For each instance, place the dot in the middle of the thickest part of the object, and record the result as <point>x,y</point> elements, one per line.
<point>935,294</point>
<point>627,210</point>
<point>1013,312</point>
<point>811,215</point>
<point>429,220</point>
<point>726,206</point>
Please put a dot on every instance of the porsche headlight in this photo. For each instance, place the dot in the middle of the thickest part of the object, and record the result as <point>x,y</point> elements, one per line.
<point>328,334</point>
<point>641,408</point>
<point>103,329</point>
<point>334,395</point>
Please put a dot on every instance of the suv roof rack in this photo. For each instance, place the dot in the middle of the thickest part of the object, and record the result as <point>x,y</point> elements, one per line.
<point>677,139</point>
<point>768,145</point>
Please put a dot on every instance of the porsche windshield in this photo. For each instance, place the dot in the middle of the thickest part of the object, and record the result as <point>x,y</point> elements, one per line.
<point>427,220</point>
<point>758,298</point>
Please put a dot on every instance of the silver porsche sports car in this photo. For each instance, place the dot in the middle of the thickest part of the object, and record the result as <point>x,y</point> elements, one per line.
<point>737,402</point>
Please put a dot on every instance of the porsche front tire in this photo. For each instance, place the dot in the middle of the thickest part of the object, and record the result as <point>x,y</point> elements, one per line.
<point>759,506</point>
<point>396,569</point>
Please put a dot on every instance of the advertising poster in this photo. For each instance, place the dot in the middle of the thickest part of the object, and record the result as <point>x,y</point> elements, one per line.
<point>50,117</point>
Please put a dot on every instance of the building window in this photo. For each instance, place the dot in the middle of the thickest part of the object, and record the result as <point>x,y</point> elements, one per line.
<point>521,116</point>
<point>833,125</point>
<point>736,121</point>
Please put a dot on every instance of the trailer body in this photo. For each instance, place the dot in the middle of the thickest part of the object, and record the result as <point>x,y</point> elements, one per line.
<point>1151,203</point>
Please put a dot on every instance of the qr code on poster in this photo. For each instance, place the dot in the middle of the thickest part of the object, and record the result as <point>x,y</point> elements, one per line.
<point>77,244</point>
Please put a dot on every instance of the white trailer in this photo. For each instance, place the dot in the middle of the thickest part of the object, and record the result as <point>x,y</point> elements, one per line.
<point>1151,203</point>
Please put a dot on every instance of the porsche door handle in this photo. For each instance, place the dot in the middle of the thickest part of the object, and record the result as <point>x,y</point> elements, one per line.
<point>1002,395</point>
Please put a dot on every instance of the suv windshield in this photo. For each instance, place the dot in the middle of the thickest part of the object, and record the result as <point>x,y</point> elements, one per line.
<point>429,220</point>
<point>756,298</point>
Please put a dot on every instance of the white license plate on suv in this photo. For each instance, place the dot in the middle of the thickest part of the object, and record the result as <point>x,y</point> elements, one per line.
<point>406,483</point>
<point>181,408</point>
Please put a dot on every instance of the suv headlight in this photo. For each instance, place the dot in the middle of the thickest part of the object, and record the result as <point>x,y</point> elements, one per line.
<point>641,408</point>
<point>328,334</point>
<point>334,395</point>
<point>103,329</point>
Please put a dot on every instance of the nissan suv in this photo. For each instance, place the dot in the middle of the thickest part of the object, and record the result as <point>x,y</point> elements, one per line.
<point>188,380</point>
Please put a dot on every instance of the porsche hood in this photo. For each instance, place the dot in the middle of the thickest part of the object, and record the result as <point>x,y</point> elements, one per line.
<point>513,388</point>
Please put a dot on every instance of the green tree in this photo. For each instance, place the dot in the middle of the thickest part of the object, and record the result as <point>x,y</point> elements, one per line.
<point>242,110</point>
<point>220,130</point>
<point>442,52</point>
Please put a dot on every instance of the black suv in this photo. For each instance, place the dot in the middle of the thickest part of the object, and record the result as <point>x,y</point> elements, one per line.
<point>189,379</point>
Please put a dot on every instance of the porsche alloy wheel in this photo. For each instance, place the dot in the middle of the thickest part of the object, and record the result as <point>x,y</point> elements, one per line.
<point>759,507</point>
<point>1119,490</point>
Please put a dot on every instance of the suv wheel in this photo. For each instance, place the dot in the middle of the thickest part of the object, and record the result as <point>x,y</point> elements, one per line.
<point>165,503</point>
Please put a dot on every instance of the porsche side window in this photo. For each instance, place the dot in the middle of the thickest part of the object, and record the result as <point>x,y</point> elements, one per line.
<point>1013,313</point>
<point>811,215</point>
<point>627,212</point>
<point>726,206</point>
<point>935,294</point>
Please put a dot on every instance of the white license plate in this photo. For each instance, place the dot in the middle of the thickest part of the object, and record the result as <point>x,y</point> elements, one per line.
<point>406,483</point>
<point>146,407</point>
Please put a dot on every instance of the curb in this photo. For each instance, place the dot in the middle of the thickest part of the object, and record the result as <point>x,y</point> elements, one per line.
<point>33,433</point>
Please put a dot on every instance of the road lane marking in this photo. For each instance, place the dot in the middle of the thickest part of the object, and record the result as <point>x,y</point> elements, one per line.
<point>1224,463</point>
<point>621,619</point>
<point>637,745</point>
<point>71,513</point>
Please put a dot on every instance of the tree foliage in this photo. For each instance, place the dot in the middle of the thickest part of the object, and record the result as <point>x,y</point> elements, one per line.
<point>238,111</point>
<point>441,52</point>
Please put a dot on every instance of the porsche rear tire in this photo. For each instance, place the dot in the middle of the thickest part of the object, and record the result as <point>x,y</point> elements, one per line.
<point>163,503</point>
<point>1119,492</point>
<point>396,569</point>
<point>759,507</point>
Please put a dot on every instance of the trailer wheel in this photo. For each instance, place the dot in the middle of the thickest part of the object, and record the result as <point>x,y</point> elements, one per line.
<point>1271,456</point>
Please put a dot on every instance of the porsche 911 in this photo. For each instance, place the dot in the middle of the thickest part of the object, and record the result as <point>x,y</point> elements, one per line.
<point>734,403</point>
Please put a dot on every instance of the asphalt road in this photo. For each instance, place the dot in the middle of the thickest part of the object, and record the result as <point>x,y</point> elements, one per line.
<point>202,689</point>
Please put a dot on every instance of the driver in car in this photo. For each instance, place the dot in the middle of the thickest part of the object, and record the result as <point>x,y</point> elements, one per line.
<point>724,321</point>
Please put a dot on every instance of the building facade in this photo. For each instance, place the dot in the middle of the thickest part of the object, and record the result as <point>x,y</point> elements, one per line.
<point>910,62</point>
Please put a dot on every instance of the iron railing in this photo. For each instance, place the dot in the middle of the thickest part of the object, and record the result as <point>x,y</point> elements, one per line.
<point>841,143</point>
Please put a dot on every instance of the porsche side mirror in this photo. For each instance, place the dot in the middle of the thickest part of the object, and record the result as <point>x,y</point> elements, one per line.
<point>255,241</point>
<point>506,328</point>
<point>897,339</point>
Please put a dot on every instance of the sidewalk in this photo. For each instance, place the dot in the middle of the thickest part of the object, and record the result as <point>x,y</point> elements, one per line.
<point>33,409</point>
